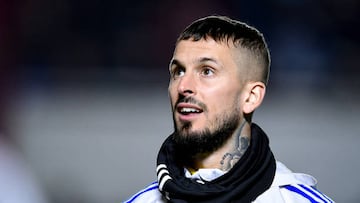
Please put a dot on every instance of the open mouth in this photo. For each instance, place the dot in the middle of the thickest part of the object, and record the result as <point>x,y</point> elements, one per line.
<point>188,110</point>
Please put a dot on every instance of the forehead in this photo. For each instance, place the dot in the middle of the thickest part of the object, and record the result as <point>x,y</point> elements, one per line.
<point>223,53</point>
<point>203,45</point>
<point>189,49</point>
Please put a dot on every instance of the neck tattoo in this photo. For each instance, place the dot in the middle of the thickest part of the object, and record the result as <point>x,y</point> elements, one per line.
<point>233,156</point>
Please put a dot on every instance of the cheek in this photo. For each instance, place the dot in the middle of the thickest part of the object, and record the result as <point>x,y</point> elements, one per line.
<point>171,92</point>
<point>225,101</point>
<point>173,100</point>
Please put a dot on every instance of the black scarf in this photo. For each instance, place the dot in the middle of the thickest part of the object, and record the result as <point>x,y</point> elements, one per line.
<point>250,177</point>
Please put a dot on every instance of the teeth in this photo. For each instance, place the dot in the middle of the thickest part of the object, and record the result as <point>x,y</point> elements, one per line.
<point>189,110</point>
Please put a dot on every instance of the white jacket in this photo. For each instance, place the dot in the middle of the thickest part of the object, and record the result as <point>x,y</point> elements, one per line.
<point>287,187</point>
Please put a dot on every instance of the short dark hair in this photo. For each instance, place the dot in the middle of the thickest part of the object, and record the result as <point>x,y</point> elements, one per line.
<point>223,28</point>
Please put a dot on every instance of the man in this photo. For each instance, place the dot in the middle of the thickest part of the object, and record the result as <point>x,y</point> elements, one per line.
<point>218,77</point>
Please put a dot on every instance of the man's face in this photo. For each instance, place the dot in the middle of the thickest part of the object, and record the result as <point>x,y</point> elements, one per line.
<point>205,88</point>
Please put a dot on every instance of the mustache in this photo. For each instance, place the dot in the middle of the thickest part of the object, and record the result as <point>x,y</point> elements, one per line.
<point>191,100</point>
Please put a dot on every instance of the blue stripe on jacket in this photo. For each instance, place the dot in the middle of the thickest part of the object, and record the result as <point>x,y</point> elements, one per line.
<point>149,188</point>
<point>310,190</point>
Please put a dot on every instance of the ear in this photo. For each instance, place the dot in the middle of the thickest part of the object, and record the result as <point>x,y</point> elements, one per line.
<point>254,93</point>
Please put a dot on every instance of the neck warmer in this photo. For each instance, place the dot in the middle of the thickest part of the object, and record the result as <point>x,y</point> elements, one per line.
<point>251,175</point>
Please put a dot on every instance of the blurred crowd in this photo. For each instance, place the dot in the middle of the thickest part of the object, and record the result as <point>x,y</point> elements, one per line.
<point>54,41</point>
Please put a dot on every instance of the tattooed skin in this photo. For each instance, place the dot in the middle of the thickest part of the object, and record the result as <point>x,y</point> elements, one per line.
<point>241,144</point>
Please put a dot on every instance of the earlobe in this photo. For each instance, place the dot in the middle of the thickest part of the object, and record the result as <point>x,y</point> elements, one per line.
<point>255,93</point>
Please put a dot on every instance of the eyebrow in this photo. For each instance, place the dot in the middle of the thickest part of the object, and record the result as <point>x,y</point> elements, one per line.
<point>206,59</point>
<point>201,60</point>
<point>175,62</point>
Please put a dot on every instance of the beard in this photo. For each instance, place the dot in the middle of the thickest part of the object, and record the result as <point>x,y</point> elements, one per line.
<point>191,143</point>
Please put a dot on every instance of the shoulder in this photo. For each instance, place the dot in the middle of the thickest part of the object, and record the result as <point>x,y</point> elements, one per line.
<point>293,187</point>
<point>150,194</point>
<point>303,193</point>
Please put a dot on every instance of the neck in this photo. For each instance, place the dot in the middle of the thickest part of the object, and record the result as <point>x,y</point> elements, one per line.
<point>229,154</point>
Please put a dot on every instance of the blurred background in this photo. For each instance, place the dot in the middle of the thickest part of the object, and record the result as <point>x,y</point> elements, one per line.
<point>83,92</point>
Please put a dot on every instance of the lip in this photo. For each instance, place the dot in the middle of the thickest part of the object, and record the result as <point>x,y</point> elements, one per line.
<point>187,116</point>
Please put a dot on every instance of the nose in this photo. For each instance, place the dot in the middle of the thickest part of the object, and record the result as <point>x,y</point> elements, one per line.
<point>186,85</point>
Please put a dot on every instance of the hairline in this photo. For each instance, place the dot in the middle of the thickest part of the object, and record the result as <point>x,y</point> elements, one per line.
<point>251,39</point>
<point>245,74</point>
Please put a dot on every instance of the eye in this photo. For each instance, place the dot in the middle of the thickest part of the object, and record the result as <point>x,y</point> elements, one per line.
<point>207,71</point>
<point>177,72</point>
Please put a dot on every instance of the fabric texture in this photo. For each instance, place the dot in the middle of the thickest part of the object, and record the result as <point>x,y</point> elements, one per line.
<point>282,189</point>
<point>251,176</point>
<point>286,186</point>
